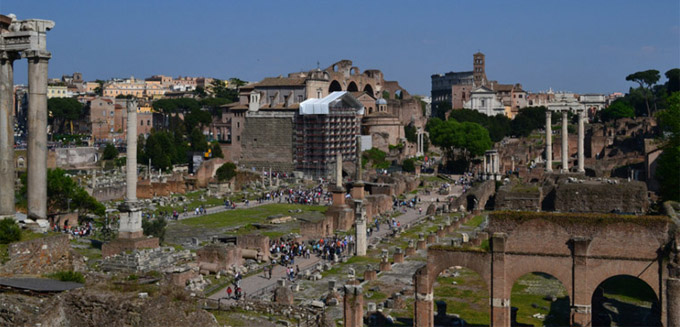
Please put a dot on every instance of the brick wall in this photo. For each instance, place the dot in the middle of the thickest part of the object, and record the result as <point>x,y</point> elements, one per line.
<point>268,142</point>
<point>39,256</point>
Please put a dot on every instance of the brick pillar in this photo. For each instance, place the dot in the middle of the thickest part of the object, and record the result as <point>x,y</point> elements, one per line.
<point>370,274</point>
<point>673,301</point>
<point>500,301</point>
<point>581,303</point>
<point>431,238</point>
<point>385,262</point>
<point>424,305</point>
<point>411,249</point>
<point>441,232</point>
<point>353,315</point>
<point>421,245</point>
<point>398,256</point>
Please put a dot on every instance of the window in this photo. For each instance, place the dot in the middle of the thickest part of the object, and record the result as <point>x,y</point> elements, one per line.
<point>148,122</point>
<point>520,96</point>
<point>238,137</point>
<point>299,98</point>
<point>141,123</point>
<point>238,124</point>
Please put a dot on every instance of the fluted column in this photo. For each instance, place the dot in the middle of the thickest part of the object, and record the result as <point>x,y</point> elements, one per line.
<point>565,143</point>
<point>7,174</point>
<point>548,141</point>
<point>581,139</point>
<point>37,133</point>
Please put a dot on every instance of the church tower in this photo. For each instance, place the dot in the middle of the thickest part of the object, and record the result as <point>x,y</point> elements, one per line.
<point>479,75</point>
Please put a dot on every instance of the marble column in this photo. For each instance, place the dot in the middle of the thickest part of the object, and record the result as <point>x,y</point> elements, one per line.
<point>360,220</point>
<point>565,143</point>
<point>7,175</point>
<point>548,141</point>
<point>131,156</point>
<point>37,133</point>
<point>338,170</point>
<point>581,139</point>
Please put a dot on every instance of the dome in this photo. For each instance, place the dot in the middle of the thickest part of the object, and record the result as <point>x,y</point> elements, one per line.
<point>381,101</point>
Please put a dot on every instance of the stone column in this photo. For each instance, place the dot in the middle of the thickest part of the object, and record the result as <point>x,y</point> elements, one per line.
<point>548,141</point>
<point>360,219</point>
<point>131,156</point>
<point>37,133</point>
<point>484,167</point>
<point>7,175</point>
<point>500,301</point>
<point>581,139</point>
<point>581,308</point>
<point>423,307</point>
<point>565,143</point>
<point>338,170</point>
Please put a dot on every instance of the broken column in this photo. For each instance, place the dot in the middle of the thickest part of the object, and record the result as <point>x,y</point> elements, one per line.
<point>358,186</point>
<point>548,141</point>
<point>581,139</point>
<point>565,143</point>
<point>398,256</point>
<point>341,214</point>
<point>130,213</point>
<point>360,220</point>
<point>353,315</point>
<point>7,175</point>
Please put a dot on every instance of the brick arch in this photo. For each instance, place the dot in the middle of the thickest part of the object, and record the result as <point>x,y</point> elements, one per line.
<point>334,86</point>
<point>368,88</point>
<point>648,272</point>
<point>352,87</point>
<point>523,237</point>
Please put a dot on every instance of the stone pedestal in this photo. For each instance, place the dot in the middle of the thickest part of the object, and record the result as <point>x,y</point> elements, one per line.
<point>410,251</point>
<point>121,245</point>
<point>421,245</point>
<point>441,232</point>
<point>370,274</point>
<point>360,219</point>
<point>353,302</point>
<point>130,224</point>
<point>431,238</point>
<point>398,256</point>
<point>385,265</point>
<point>358,192</point>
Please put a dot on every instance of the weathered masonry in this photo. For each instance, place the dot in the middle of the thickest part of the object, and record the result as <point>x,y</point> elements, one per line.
<point>24,39</point>
<point>580,250</point>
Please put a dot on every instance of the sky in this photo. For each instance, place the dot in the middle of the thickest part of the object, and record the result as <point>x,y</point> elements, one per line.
<point>576,46</point>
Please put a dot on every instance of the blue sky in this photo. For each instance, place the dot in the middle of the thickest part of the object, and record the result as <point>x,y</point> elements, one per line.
<point>579,46</point>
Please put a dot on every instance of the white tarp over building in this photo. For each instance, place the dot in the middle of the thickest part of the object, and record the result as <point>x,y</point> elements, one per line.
<point>334,100</point>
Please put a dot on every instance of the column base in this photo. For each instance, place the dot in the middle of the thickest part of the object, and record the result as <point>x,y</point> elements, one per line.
<point>121,245</point>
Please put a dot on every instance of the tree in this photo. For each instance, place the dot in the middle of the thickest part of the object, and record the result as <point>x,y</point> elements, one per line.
<point>64,110</point>
<point>217,150</point>
<point>110,152</point>
<point>197,140</point>
<point>646,79</point>
<point>618,109</point>
<point>673,83</point>
<point>219,90</point>
<point>63,193</point>
<point>9,231</point>
<point>155,228</point>
<point>668,163</point>
<point>226,172</point>
<point>409,165</point>
<point>471,139</point>
<point>197,118</point>
<point>410,132</point>
<point>376,157</point>
<point>386,94</point>
<point>99,90</point>
<point>236,82</point>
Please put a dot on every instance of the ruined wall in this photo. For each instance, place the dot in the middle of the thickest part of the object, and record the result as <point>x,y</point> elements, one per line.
<point>377,204</point>
<point>518,197</point>
<point>258,242</point>
<point>40,256</point>
<point>267,142</point>
<point>316,228</point>
<point>207,170</point>
<point>108,193</point>
<point>624,197</point>
<point>216,257</point>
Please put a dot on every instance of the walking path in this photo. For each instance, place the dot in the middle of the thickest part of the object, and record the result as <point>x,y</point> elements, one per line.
<point>256,283</point>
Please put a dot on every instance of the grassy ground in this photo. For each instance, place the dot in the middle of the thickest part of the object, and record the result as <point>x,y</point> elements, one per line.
<point>475,221</point>
<point>194,202</point>
<point>629,289</point>
<point>528,295</point>
<point>469,297</point>
<point>237,217</point>
<point>342,268</point>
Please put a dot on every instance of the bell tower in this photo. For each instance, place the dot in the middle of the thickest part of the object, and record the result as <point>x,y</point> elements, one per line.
<point>479,75</point>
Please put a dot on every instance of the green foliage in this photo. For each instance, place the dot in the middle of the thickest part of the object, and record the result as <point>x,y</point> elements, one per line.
<point>410,132</point>
<point>197,118</point>
<point>668,164</point>
<point>595,219</point>
<point>216,150</point>
<point>99,90</point>
<point>68,276</point>
<point>9,231</point>
<point>214,103</point>
<point>439,109</point>
<point>163,148</point>
<point>528,120</point>
<point>219,90</point>
<point>376,157</point>
<point>155,228</point>
<point>409,165</point>
<point>175,105</point>
<point>498,126</point>
<point>61,189</point>
<point>63,110</point>
<point>386,94</point>
<point>470,137</point>
<point>673,83</point>
<point>226,172</point>
<point>125,96</point>
<point>646,79</point>
<point>197,141</point>
<point>618,109</point>
<point>110,152</point>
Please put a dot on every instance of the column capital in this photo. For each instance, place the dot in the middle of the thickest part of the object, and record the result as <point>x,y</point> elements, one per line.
<point>9,55</point>
<point>37,54</point>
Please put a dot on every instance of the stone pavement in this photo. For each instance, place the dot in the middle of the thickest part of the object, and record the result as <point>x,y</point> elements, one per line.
<point>256,283</point>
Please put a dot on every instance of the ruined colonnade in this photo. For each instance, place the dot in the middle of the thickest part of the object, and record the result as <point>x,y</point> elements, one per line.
<point>565,141</point>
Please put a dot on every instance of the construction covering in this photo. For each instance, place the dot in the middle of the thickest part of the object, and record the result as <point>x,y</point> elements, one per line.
<point>334,100</point>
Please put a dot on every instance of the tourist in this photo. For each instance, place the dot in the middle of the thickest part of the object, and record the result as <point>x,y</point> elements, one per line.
<point>229,292</point>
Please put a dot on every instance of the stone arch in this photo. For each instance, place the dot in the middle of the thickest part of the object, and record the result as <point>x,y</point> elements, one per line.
<point>559,310</point>
<point>352,87</point>
<point>398,94</point>
<point>354,71</point>
<point>369,89</point>
<point>472,202</point>
<point>631,315</point>
<point>334,86</point>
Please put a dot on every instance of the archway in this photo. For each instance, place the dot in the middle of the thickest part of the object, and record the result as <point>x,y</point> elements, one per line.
<point>352,87</point>
<point>539,299</point>
<point>335,86</point>
<point>625,300</point>
<point>398,94</point>
<point>471,202</point>
<point>369,89</point>
<point>463,292</point>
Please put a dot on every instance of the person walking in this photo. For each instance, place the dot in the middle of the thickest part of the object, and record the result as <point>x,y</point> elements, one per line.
<point>229,292</point>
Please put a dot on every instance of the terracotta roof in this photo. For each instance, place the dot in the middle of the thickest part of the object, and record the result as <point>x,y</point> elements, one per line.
<point>280,81</point>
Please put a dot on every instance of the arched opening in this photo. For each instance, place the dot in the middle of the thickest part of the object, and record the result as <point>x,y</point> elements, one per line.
<point>471,202</point>
<point>461,298</point>
<point>369,89</point>
<point>335,86</point>
<point>625,300</point>
<point>539,299</point>
<point>398,94</point>
<point>352,87</point>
